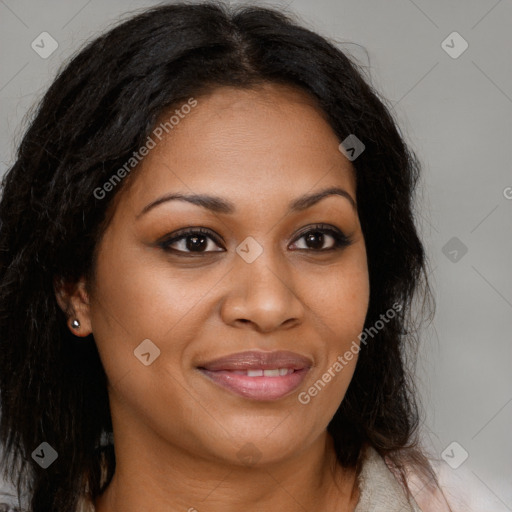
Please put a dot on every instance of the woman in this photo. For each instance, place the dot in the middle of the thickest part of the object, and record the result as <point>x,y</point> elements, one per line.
<point>208,263</point>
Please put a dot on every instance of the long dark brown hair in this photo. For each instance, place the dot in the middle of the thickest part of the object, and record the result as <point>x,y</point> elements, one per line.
<point>98,111</point>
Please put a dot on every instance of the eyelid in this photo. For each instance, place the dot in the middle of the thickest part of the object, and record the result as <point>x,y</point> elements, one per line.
<point>319,227</point>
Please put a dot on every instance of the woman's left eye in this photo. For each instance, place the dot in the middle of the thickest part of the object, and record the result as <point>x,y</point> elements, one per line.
<point>317,236</point>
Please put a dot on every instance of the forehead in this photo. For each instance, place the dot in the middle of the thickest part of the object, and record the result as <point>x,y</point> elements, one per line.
<point>252,145</point>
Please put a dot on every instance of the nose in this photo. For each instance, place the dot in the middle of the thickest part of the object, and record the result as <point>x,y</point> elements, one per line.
<point>261,296</point>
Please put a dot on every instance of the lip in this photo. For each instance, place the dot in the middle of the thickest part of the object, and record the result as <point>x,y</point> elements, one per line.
<point>222,372</point>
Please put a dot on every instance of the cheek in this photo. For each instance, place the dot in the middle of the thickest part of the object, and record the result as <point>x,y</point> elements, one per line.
<point>141,297</point>
<point>142,293</point>
<point>338,299</point>
<point>338,304</point>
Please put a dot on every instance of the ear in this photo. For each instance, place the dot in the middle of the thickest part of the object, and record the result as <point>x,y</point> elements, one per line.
<point>73,299</point>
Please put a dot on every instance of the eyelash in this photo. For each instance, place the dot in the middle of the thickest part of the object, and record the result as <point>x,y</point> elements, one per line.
<point>340,239</point>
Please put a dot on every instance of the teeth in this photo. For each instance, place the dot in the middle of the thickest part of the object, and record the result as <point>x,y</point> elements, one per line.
<point>277,372</point>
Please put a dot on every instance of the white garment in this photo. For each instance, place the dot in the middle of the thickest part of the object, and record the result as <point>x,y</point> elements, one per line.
<point>379,490</point>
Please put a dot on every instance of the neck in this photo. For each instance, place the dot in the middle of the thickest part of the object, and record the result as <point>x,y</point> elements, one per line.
<point>144,479</point>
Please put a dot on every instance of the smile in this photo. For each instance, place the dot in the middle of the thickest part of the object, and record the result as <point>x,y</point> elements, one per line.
<point>263,376</point>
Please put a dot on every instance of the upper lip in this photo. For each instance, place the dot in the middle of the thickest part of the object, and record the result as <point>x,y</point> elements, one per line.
<point>254,360</point>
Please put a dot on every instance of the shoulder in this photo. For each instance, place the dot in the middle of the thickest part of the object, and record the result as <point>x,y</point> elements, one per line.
<point>455,491</point>
<point>379,489</point>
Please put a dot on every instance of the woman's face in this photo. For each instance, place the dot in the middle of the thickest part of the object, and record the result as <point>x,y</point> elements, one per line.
<point>261,277</point>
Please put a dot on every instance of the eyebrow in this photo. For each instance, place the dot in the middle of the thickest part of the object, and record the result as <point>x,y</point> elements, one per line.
<point>219,205</point>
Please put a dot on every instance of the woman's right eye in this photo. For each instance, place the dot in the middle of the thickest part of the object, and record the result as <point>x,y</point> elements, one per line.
<point>191,241</point>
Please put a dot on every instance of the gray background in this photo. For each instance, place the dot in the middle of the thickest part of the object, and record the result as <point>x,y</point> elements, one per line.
<point>456,114</point>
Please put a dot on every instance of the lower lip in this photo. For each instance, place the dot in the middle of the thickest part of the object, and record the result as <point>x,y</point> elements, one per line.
<point>257,388</point>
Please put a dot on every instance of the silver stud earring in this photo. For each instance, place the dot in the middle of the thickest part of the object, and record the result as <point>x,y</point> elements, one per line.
<point>75,324</point>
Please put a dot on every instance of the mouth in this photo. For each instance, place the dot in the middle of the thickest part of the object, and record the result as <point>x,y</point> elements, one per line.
<point>256,375</point>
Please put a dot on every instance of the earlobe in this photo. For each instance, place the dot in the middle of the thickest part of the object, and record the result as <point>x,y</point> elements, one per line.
<point>73,299</point>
